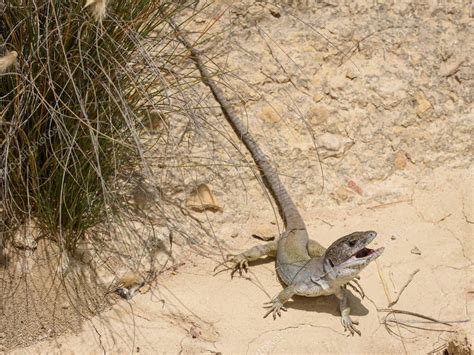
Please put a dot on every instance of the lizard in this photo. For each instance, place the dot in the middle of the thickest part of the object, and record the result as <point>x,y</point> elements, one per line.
<point>303,265</point>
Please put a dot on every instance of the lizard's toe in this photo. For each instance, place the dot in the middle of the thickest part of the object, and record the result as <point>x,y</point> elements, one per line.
<point>240,263</point>
<point>349,325</point>
<point>275,308</point>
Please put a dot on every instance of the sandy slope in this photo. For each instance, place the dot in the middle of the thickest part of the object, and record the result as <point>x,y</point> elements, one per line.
<point>195,311</point>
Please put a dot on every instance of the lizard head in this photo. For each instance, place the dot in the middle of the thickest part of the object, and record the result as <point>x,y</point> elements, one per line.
<point>349,255</point>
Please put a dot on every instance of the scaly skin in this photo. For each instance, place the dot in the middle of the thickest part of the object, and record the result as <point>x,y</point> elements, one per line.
<point>304,266</point>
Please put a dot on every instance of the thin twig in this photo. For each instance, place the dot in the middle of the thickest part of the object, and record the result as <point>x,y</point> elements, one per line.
<point>410,279</point>
<point>399,311</point>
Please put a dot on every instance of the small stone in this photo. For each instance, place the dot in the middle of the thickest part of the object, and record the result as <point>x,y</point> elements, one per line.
<point>318,97</point>
<point>393,237</point>
<point>65,305</point>
<point>416,251</point>
<point>422,104</point>
<point>343,194</point>
<point>264,232</point>
<point>400,160</point>
<point>351,74</point>
<point>332,145</point>
<point>354,187</point>
<point>202,199</point>
<point>318,115</point>
<point>234,234</point>
<point>2,335</point>
<point>195,332</point>
<point>269,114</point>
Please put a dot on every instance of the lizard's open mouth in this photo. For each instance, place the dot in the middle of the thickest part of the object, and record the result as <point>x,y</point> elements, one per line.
<point>364,252</point>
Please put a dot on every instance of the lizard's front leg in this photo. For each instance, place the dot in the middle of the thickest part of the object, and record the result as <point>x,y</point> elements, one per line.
<point>346,320</point>
<point>241,261</point>
<point>276,304</point>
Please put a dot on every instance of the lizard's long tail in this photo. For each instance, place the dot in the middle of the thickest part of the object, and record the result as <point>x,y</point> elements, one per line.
<point>287,208</point>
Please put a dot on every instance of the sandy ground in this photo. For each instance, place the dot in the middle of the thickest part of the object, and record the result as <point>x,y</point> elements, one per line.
<point>195,311</point>
<point>385,93</point>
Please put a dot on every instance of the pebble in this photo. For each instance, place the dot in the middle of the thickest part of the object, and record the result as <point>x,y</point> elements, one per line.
<point>351,74</point>
<point>264,232</point>
<point>318,97</point>
<point>401,160</point>
<point>269,114</point>
<point>416,251</point>
<point>343,194</point>
<point>422,103</point>
<point>332,145</point>
<point>318,115</point>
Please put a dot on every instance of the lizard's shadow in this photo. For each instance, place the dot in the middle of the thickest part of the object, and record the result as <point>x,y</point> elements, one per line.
<point>327,304</point>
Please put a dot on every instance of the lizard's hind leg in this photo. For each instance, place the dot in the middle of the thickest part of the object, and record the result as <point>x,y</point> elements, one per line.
<point>241,261</point>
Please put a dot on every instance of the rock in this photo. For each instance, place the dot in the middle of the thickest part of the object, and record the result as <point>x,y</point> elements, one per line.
<point>451,66</point>
<point>202,199</point>
<point>2,335</point>
<point>342,194</point>
<point>351,74</point>
<point>460,345</point>
<point>318,115</point>
<point>128,284</point>
<point>400,160</point>
<point>26,237</point>
<point>269,114</point>
<point>318,97</point>
<point>264,232</point>
<point>415,251</point>
<point>422,104</point>
<point>393,237</point>
<point>332,145</point>
<point>195,332</point>
<point>335,85</point>
<point>354,187</point>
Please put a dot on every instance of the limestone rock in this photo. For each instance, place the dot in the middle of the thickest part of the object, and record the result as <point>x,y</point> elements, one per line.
<point>264,232</point>
<point>318,115</point>
<point>400,160</point>
<point>270,114</point>
<point>422,104</point>
<point>451,66</point>
<point>332,145</point>
<point>202,199</point>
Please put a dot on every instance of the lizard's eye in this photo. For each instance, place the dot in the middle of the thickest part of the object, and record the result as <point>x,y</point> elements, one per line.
<point>352,243</point>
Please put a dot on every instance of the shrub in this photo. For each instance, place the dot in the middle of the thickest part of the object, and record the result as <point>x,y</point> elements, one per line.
<point>78,82</point>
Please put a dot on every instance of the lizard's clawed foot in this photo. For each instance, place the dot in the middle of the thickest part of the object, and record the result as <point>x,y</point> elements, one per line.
<point>239,263</point>
<point>350,324</point>
<point>275,306</point>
